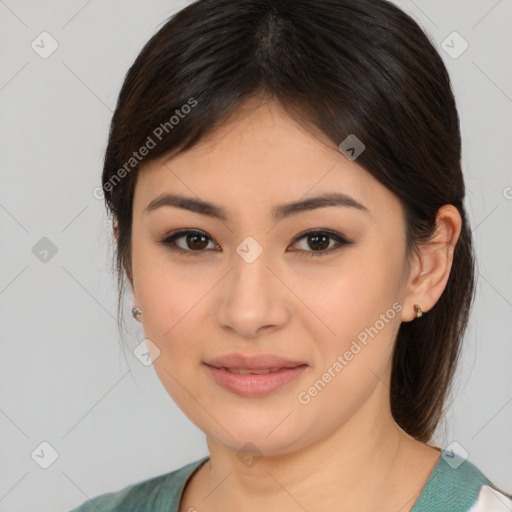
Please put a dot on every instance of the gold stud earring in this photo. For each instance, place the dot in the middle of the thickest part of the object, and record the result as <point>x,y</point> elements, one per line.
<point>418,310</point>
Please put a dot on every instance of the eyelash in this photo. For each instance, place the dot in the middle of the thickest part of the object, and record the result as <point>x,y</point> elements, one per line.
<point>169,242</point>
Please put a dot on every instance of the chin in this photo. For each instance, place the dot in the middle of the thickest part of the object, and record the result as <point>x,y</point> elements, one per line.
<point>266,434</point>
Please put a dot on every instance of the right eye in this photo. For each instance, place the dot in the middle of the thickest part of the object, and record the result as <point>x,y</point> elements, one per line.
<point>195,241</point>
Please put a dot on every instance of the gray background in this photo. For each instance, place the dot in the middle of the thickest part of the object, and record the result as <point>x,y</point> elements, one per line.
<point>63,377</point>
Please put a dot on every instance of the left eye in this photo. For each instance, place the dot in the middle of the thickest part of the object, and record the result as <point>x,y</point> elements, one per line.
<point>195,242</point>
<point>320,242</point>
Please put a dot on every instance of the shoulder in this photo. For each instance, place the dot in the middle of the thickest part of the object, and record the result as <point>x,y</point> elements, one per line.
<point>154,494</point>
<point>457,485</point>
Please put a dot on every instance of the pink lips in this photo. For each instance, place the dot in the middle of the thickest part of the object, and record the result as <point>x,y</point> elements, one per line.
<point>234,373</point>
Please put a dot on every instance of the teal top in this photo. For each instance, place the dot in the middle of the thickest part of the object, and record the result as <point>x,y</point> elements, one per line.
<point>454,485</point>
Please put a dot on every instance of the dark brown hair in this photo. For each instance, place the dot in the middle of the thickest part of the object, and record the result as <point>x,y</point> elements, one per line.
<point>345,67</point>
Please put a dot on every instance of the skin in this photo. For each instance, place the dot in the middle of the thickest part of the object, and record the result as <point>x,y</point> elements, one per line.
<point>342,450</point>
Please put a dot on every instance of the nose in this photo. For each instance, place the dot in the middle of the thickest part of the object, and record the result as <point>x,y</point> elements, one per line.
<point>254,301</point>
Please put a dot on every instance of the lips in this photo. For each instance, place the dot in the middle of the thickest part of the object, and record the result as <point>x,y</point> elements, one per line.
<point>254,376</point>
<point>244,371</point>
<point>261,363</point>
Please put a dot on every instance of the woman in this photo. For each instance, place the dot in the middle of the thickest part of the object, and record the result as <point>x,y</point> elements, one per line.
<point>285,185</point>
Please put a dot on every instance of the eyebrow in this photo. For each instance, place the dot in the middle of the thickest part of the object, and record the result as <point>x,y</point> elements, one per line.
<point>279,212</point>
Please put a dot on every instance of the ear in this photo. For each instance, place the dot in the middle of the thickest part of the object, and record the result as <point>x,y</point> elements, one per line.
<point>430,270</point>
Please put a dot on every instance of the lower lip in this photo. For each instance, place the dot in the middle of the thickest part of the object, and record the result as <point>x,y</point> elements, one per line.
<point>253,385</point>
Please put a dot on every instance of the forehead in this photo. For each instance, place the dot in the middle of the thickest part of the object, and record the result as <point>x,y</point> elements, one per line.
<point>259,155</point>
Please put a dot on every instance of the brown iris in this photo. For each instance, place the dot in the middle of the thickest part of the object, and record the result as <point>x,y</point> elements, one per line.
<point>196,241</point>
<point>318,241</point>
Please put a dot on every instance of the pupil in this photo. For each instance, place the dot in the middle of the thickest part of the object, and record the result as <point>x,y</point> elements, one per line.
<point>315,240</point>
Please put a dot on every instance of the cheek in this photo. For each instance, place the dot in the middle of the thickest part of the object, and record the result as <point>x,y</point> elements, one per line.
<point>171,297</point>
<point>172,303</point>
<point>358,303</point>
<point>362,310</point>
<point>170,308</point>
<point>166,291</point>
<point>352,295</point>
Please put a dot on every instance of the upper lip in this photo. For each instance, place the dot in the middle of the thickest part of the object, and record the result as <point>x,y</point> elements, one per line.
<point>253,362</point>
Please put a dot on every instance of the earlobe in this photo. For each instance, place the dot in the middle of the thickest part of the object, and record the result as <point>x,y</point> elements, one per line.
<point>432,270</point>
<point>136,310</point>
<point>418,310</point>
<point>136,313</point>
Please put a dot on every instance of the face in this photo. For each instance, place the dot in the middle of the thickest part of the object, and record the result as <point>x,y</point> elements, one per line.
<point>252,282</point>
